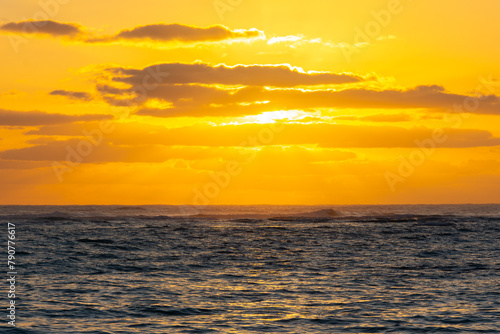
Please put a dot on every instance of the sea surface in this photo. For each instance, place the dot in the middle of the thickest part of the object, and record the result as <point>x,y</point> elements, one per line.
<point>254,269</point>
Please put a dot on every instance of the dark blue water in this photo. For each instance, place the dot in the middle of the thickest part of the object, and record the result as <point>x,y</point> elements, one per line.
<point>366,269</point>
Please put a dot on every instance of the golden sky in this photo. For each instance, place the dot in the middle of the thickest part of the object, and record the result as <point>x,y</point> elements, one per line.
<point>249,102</point>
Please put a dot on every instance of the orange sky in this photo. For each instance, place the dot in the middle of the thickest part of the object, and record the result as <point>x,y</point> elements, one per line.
<point>249,102</point>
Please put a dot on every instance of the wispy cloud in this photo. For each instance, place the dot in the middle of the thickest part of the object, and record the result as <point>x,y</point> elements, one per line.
<point>37,118</point>
<point>44,27</point>
<point>84,96</point>
<point>318,134</point>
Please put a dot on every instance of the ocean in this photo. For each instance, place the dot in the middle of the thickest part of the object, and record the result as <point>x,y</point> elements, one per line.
<point>253,269</point>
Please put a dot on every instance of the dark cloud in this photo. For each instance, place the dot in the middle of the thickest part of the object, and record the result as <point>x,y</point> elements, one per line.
<point>73,95</point>
<point>184,33</point>
<point>48,27</point>
<point>162,33</point>
<point>199,101</point>
<point>431,97</point>
<point>35,118</point>
<point>250,75</point>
